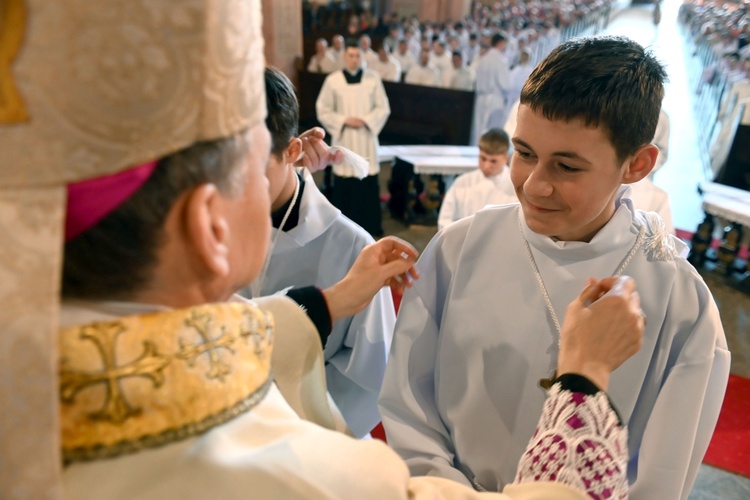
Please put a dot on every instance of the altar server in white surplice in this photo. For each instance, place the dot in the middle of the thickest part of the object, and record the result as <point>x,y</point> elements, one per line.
<point>492,84</point>
<point>151,380</point>
<point>479,333</point>
<point>317,245</point>
<point>425,73</point>
<point>353,108</point>
<point>488,185</point>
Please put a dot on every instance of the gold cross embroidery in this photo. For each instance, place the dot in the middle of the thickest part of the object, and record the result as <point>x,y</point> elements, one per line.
<point>201,323</point>
<point>116,408</point>
<point>12,28</point>
<point>250,332</point>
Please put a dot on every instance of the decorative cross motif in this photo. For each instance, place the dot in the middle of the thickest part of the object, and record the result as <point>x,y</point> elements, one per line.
<point>201,323</point>
<point>250,331</point>
<point>116,408</point>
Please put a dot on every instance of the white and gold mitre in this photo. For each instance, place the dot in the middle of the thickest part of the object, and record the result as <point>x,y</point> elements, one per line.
<point>88,89</point>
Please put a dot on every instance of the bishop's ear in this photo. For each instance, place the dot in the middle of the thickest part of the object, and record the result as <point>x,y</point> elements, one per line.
<point>208,229</point>
<point>641,164</point>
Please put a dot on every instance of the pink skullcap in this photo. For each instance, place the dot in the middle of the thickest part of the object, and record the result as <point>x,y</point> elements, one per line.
<point>91,200</point>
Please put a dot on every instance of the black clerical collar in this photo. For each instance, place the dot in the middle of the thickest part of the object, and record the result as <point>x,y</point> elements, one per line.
<point>353,78</point>
<point>293,218</point>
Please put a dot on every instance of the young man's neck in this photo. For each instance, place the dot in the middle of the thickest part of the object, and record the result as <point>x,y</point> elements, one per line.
<point>290,184</point>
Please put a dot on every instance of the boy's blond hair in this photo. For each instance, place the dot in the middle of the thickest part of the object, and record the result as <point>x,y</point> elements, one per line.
<point>494,142</point>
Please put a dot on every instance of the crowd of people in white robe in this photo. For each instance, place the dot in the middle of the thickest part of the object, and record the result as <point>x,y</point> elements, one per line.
<point>448,54</point>
<point>720,34</point>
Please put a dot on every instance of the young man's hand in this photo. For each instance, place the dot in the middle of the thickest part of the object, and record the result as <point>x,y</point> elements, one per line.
<point>387,262</point>
<point>316,154</point>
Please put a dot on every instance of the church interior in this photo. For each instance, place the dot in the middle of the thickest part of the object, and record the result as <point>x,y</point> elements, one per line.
<point>327,276</point>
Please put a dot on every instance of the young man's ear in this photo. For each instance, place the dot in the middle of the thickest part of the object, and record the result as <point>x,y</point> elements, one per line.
<point>640,164</point>
<point>208,229</point>
<point>293,151</point>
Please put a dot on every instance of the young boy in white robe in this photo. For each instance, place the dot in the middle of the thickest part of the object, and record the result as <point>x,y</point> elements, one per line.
<point>488,185</point>
<point>479,333</point>
<point>314,243</point>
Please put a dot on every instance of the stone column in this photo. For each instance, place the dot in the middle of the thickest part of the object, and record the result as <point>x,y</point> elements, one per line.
<point>282,32</point>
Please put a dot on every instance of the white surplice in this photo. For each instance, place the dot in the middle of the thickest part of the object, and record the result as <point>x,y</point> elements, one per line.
<point>319,251</point>
<point>462,79</point>
<point>322,63</point>
<point>649,197</point>
<point>366,100</point>
<point>492,85</point>
<point>389,71</point>
<point>473,339</point>
<point>406,60</point>
<point>472,191</point>
<point>429,75</point>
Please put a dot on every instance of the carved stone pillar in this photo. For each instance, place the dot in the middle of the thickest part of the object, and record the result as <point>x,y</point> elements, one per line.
<point>282,31</point>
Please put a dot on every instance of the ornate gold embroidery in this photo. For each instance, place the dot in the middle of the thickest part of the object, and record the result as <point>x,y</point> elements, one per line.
<point>181,402</point>
<point>12,28</point>
<point>250,331</point>
<point>116,408</point>
<point>201,323</point>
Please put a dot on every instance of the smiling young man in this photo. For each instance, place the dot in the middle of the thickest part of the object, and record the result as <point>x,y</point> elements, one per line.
<point>479,334</point>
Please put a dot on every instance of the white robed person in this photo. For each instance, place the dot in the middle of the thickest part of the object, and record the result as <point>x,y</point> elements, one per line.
<point>312,242</point>
<point>156,386</point>
<point>490,184</point>
<point>493,289</point>
<point>492,84</point>
<point>353,108</point>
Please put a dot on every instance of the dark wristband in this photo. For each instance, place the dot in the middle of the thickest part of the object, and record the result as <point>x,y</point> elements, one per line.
<point>312,301</point>
<point>578,383</point>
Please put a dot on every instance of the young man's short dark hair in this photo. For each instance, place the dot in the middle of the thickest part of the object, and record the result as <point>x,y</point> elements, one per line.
<point>283,110</point>
<point>608,82</point>
<point>352,43</point>
<point>497,38</point>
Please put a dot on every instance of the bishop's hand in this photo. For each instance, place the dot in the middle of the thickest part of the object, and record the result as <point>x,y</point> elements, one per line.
<point>603,327</point>
<point>387,262</point>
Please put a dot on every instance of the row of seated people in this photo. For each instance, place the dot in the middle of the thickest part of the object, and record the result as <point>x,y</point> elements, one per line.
<point>442,51</point>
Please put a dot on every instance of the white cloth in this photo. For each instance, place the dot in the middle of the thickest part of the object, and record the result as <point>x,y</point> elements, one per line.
<point>462,79</point>
<point>389,71</point>
<point>517,78</point>
<point>322,64</point>
<point>319,251</point>
<point>648,197</point>
<point>423,75</point>
<point>369,56</point>
<point>367,100</point>
<point>443,62</point>
<point>492,85</point>
<point>405,60</point>
<point>472,191</point>
<point>338,56</point>
<point>473,338</point>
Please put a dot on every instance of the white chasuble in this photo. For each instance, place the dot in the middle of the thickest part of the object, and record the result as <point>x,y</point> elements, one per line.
<point>319,251</point>
<point>339,100</point>
<point>473,339</point>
